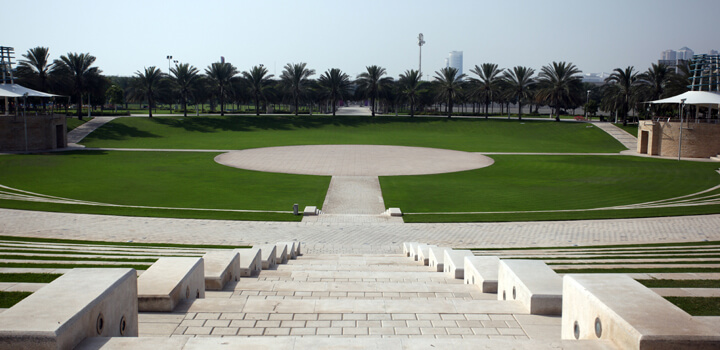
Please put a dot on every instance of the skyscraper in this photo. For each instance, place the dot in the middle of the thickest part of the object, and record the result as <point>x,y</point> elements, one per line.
<point>455,60</point>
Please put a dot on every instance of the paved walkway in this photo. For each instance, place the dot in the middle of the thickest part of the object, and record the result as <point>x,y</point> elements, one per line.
<point>76,135</point>
<point>358,238</point>
<point>619,134</point>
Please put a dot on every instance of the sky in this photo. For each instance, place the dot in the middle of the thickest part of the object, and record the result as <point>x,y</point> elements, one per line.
<point>596,36</point>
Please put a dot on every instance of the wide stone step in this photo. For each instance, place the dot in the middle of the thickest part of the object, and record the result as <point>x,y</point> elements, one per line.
<point>353,306</point>
<point>319,342</point>
<point>397,275</point>
<point>247,284</point>
<point>334,267</point>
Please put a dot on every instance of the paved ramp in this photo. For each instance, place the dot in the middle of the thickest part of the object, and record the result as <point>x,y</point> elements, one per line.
<point>621,135</point>
<point>79,133</point>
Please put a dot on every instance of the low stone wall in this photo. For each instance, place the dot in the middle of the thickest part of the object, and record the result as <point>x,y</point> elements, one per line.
<point>699,140</point>
<point>44,132</point>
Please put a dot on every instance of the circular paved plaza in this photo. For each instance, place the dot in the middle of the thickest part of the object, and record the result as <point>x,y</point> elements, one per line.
<point>354,160</point>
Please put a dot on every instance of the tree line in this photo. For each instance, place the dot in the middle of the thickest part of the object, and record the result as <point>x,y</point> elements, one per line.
<point>557,85</point>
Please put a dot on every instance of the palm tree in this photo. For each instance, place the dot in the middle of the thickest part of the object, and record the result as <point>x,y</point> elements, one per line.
<point>37,65</point>
<point>79,68</point>
<point>257,78</point>
<point>372,81</point>
<point>519,85</point>
<point>410,83</point>
<point>449,85</point>
<point>626,82</point>
<point>488,85</point>
<point>560,85</point>
<point>147,83</point>
<point>221,75</point>
<point>185,77</point>
<point>336,83</point>
<point>655,79</point>
<point>295,77</point>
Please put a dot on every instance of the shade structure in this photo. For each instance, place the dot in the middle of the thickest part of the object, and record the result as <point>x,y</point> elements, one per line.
<point>698,98</point>
<point>16,90</point>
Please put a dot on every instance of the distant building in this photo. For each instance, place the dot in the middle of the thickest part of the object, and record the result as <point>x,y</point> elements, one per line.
<point>455,60</point>
<point>685,54</point>
<point>595,78</point>
<point>713,52</point>
<point>669,55</point>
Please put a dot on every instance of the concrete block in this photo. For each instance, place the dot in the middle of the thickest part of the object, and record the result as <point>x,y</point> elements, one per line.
<point>454,263</point>
<point>618,308</point>
<point>170,280</point>
<point>408,247</point>
<point>292,249</point>
<point>311,211</point>
<point>423,254</point>
<point>281,249</point>
<point>268,255</point>
<point>436,257</point>
<point>482,271</point>
<point>250,261</point>
<point>80,304</point>
<point>221,267</point>
<point>533,283</point>
<point>414,251</point>
<point>395,212</point>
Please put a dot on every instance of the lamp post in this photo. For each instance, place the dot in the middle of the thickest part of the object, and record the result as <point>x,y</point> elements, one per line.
<point>682,110</point>
<point>587,100</point>
<point>421,42</point>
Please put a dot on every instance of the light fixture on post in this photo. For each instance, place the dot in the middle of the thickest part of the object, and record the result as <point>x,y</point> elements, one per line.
<point>587,101</point>
<point>421,42</point>
<point>682,111</point>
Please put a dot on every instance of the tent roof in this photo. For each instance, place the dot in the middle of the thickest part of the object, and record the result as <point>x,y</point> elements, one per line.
<point>16,90</point>
<point>692,98</point>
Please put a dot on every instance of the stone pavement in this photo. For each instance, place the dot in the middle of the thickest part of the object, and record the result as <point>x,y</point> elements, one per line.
<point>621,135</point>
<point>76,135</point>
<point>359,238</point>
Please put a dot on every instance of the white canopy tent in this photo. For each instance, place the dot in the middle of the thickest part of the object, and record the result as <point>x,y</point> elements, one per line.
<point>16,90</point>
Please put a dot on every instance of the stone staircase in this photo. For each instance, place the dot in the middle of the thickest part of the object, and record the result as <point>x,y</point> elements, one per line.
<point>386,297</point>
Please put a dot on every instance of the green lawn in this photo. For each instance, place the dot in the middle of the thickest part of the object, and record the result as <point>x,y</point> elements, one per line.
<point>632,129</point>
<point>157,179</point>
<point>533,183</point>
<point>242,132</point>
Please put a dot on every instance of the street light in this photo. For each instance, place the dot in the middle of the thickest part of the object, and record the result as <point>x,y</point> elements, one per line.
<point>682,110</point>
<point>587,100</point>
<point>421,42</point>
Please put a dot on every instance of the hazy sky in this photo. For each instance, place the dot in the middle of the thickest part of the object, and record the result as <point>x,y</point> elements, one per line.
<point>597,36</point>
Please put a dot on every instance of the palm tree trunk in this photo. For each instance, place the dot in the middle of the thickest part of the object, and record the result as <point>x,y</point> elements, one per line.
<point>257,105</point>
<point>150,106</point>
<point>296,106</point>
<point>450,106</point>
<point>79,107</point>
<point>519,110</point>
<point>372,105</point>
<point>412,108</point>
<point>184,101</point>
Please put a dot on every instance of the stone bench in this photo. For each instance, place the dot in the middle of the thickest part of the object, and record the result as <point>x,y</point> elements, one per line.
<point>250,261</point>
<point>221,267</point>
<point>268,255</point>
<point>618,308</point>
<point>533,283</point>
<point>170,280</point>
<point>454,262</point>
<point>423,254</point>
<point>293,249</point>
<point>80,304</point>
<point>281,251</point>
<point>436,257</point>
<point>408,247</point>
<point>483,272</point>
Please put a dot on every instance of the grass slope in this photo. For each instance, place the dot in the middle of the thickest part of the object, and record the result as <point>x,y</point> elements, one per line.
<point>157,179</point>
<point>242,132</point>
<point>528,183</point>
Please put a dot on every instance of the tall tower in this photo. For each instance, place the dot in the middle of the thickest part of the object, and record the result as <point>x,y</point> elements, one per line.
<point>421,42</point>
<point>455,60</point>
